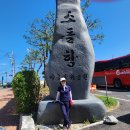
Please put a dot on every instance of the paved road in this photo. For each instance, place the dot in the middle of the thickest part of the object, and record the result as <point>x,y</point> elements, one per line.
<point>118,93</point>
<point>122,113</point>
<point>8,117</point>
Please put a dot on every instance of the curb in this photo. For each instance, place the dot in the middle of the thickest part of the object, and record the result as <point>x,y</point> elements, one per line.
<point>91,125</point>
<point>26,123</point>
<point>42,127</point>
<point>116,107</point>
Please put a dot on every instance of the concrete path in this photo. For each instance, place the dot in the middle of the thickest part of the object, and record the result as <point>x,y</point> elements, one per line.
<point>8,117</point>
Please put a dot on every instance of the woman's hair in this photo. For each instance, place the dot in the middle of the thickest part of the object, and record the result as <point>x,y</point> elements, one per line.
<point>60,84</point>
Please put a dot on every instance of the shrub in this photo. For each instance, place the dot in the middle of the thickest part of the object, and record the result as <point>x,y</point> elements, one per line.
<point>26,86</point>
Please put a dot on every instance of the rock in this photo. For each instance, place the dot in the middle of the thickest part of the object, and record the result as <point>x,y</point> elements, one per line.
<point>110,120</point>
<point>72,53</point>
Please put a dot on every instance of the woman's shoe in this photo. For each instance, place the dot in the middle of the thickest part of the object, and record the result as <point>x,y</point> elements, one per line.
<point>65,128</point>
<point>69,127</point>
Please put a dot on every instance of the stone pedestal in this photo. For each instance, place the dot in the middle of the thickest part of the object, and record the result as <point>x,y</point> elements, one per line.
<point>90,109</point>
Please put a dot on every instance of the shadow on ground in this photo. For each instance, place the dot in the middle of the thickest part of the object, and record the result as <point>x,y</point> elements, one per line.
<point>8,116</point>
<point>124,118</point>
<point>123,89</point>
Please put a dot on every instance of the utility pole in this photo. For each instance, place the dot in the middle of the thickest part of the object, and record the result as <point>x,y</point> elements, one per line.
<point>2,81</point>
<point>6,77</point>
<point>12,60</point>
<point>106,87</point>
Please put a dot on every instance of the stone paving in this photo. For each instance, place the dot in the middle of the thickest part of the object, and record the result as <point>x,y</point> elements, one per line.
<point>8,117</point>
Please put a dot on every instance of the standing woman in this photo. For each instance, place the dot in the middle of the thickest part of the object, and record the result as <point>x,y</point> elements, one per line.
<point>64,95</point>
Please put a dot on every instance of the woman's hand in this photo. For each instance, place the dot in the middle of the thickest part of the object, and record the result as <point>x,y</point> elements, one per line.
<point>73,101</point>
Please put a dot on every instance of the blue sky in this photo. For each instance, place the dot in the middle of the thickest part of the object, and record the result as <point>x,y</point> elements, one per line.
<point>17,15</point>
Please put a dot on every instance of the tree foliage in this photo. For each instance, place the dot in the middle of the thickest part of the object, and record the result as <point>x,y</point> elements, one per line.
<point>92,24</point>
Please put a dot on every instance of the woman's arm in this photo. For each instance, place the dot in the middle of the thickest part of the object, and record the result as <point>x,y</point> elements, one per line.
<point>70,95</point>
<point>57,95</point>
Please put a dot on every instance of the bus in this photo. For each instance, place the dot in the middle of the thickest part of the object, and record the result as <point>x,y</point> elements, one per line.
<point>114,72</point>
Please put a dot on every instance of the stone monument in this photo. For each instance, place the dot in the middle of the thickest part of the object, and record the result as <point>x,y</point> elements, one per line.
<point>72,57</point>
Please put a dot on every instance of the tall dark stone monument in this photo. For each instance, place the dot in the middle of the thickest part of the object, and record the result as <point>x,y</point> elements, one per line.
<point>72,54</point>
<point>72,57</point>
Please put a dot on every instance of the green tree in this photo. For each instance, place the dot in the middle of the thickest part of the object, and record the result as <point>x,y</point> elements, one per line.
<point>92,24</point>
<point>31,59</point>
<point>40,37</point>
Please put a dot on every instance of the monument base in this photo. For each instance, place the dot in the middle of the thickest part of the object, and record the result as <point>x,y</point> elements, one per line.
<point>90,109</point>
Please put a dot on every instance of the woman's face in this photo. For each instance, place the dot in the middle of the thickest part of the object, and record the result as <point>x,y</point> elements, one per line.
<point>63,83</point>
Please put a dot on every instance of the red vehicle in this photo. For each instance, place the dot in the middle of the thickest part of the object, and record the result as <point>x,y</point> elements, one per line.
<point>115,72</point>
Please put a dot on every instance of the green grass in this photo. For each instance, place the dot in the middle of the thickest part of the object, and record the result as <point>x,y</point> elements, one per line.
<point>109,102</point>
<point>87,122</point>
